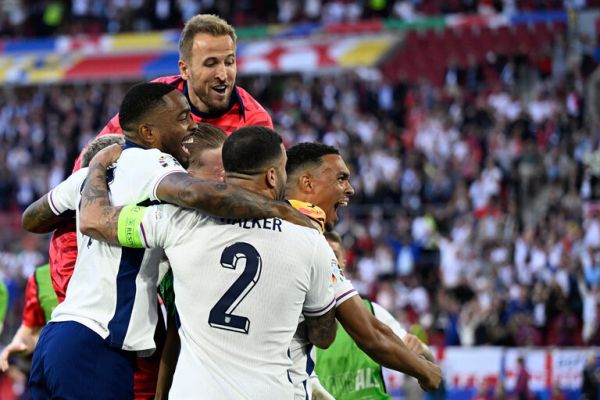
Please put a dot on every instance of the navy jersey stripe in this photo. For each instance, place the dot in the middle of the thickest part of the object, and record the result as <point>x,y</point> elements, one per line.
<point>288,371</point>
<point>131,260</point>
<point>310,363</point>
<point>305,390</point>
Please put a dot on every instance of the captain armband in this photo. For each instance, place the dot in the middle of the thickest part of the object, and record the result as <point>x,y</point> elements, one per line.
<point>128,230</point>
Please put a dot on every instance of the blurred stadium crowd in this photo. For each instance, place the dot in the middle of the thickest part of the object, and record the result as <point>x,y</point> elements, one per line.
<point>52,17</point>
<point>477,210</point>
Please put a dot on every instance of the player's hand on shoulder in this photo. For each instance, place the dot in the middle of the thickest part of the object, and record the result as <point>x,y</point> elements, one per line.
<point>107,155</point>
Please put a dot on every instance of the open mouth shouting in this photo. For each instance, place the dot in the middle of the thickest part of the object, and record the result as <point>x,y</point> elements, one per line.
<point>220,89</point>
<point>341,203</point>
<point>189,139</point>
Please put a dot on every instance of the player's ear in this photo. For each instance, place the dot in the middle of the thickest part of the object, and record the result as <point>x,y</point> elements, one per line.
<point>147,135</point>
<point>271,178</point>
<point>183,69</point>
<point>305,182</point>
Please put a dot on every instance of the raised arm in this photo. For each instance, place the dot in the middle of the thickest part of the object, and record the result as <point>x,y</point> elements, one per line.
<point>382,345</point>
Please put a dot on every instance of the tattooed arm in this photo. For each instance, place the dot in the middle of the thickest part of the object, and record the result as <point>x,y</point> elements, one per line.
<point>321,330</point>
<point>39,217</point>
<point>99,220</point>
<point>97,217</point>
<point>224,200</point>
<point>56,207</point>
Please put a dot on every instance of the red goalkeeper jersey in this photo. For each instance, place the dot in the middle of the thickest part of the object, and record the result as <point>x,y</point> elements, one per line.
<point>243,110</point>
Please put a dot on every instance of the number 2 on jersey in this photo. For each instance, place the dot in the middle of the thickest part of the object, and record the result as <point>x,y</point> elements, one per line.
<point>221,315</point>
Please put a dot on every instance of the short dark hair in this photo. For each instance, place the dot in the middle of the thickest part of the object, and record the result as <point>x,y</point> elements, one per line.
<point>307,154</point>
<point>139,101</point>
<point>98,144</point>
<point>205,137</point>
<point>248,150</point>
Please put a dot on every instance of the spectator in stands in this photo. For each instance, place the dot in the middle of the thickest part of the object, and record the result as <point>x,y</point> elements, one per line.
<point>591,378</point>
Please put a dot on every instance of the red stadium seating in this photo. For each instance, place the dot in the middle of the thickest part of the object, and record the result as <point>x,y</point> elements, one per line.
<point>425,54</point>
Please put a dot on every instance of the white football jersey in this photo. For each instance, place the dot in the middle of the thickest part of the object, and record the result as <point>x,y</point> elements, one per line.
<point>65,196</point>
<point>240,286</point>
<point>113,289</point>
<point>301,349</point>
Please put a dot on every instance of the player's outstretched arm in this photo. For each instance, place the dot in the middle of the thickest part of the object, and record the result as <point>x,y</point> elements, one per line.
<point>321,330</point>
<point>415,345</point>
<point>23,342</point>
<point>382,345</point>
<point>38,217</point>
<point>224,200</point>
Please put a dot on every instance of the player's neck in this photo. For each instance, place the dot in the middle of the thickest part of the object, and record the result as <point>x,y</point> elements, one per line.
<point>251,183</point>
<point>293,194</point>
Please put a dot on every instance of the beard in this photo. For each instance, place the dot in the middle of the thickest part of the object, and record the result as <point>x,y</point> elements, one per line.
<point>214,106</point>
<point>177,153</point>
<point>280,189</point>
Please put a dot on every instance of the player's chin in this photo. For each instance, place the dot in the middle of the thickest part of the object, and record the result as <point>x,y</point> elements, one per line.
<point>329,226</point>
<point>184,159</point>
<point>332,219</point>
<point>219,102</point>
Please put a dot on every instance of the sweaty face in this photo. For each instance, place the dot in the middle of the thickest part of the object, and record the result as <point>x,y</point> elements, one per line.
<point>210,72</point>
<point>331,186</point>
<point>172,123</point>
<point>208,164</point>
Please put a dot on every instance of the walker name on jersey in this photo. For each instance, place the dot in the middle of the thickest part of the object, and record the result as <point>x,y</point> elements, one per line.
<point>272,224</point>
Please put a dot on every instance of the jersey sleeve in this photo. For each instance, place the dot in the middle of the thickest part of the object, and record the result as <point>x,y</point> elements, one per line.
<point>33,315</point>
<point>157,168</point>
<point>384,316</point>
<point>155,227</point>
<point>320,297</point>
<point>64,196</point>
<point>342,287</point>
<point>260,118</point>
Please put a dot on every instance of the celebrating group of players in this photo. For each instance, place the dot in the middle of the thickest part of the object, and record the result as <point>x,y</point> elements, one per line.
<point>198,268</point>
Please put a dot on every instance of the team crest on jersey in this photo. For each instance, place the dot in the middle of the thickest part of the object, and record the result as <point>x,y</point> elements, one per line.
<point>336,272</point>
<point>168,161</point>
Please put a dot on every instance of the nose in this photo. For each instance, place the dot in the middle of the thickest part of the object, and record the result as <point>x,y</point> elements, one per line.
<point>349,189</point>
<point>221,73</point>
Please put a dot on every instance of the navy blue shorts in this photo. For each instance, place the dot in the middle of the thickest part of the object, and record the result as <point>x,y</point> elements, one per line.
<point>71,361</point>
